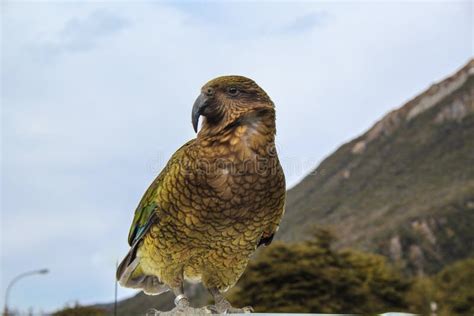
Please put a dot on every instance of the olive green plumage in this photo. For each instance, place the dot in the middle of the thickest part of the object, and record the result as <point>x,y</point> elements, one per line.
<point>220,196</point>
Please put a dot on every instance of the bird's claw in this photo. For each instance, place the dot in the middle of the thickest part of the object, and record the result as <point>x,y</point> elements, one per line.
<point>243,310</point>
<point>152,312</point>
<point>227,309</point>
<point>212,309</point>
<point>179,311</point>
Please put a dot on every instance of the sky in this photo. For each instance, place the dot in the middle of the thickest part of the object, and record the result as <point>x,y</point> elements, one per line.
<point>96,96</point>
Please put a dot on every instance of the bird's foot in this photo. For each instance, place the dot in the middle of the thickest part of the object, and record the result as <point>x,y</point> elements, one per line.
<point>182,308</point>
<point>226,308</point>
<point>179,311</point>
<point>152,312</point>
<point>243,310</point>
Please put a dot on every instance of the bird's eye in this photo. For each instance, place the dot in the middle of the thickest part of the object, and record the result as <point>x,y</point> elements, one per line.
<point>233,91</point>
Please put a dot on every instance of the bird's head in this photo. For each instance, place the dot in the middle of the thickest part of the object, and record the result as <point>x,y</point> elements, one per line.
<point>225,100</point>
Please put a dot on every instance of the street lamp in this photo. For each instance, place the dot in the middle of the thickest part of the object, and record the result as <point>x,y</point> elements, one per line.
<point>15,279</point>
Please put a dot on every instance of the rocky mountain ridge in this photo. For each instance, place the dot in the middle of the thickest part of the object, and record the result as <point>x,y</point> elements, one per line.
<point>423,102</point>
<point>405,188</point>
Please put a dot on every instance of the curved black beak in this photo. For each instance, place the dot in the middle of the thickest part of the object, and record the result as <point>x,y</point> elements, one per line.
<point>198,107</point>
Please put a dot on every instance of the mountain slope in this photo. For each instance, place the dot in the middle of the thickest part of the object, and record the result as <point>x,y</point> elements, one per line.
<point>405,188</point>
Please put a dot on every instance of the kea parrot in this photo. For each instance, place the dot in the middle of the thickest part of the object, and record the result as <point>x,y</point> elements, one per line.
<point>220,197</point>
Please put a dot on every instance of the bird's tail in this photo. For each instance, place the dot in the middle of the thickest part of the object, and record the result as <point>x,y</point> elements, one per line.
<point>131,275</point>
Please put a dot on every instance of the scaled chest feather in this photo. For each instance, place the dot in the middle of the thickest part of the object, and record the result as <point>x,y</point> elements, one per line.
<point>237,170</point>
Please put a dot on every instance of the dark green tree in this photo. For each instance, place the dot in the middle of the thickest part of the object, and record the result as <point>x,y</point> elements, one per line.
<point>311,277</point>
<point>455,284</point>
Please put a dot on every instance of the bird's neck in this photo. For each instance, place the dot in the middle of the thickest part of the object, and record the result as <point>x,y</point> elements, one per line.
<point>254,132</point>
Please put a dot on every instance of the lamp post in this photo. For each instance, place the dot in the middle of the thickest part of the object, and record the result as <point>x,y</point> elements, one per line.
<point>14,280</point>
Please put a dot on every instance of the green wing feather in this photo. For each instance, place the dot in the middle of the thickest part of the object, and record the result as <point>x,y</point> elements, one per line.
<point>141,221</point>
<point>148,208</point>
